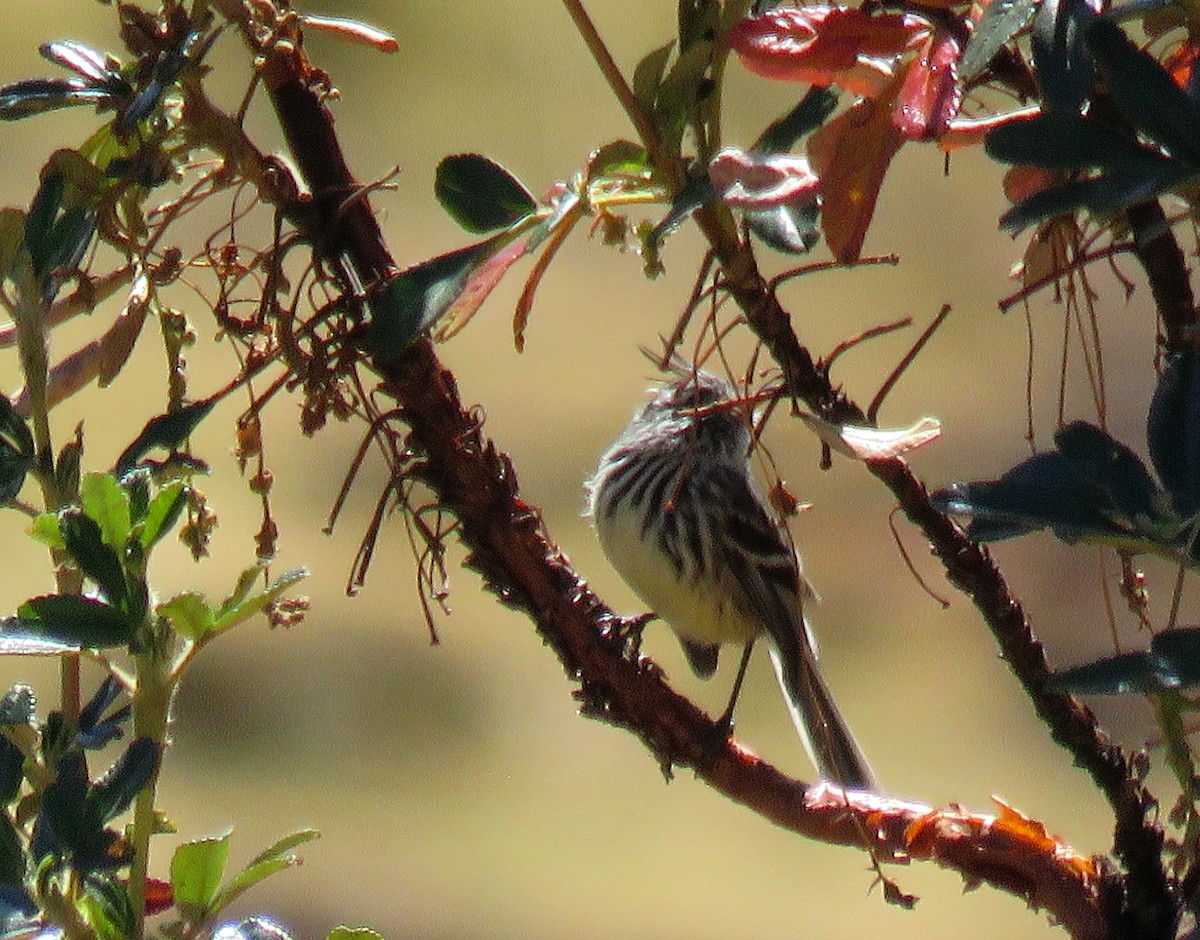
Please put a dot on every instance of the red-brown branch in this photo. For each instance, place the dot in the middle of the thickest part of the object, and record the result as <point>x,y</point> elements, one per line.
<point>519,562</point>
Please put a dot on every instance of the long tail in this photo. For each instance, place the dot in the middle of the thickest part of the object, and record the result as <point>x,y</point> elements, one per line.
<point>820,725</point>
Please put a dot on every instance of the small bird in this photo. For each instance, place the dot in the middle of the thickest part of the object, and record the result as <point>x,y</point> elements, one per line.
<point>679,516</point>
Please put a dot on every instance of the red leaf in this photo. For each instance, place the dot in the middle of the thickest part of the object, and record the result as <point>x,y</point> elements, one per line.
<point>930,96</point>
<point>825,45</point>
<point>851,154</point>
<point>1181,63</point>
<point>158,896</point>
<point>1022,181</point>
<point>761,181</point>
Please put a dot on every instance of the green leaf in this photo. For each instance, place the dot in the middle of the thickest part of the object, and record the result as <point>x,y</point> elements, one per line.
<point>283,846</point>
<point>190,614</point>
<point>1002,20</point>
<point>648,75</point>
<point>196,871</point>
<point>12,233</point>
<point>481,195</point>
<point>163,511</point>
<point>107,907</point>
<point>353,933</point>
<point>70,618</point>
<point>618,159</point>
<point>85,542</point>
<point>166,431</point>
<point>47,529</point>
<point>107,504</point>
<point>276,858</point>
<point>233,611</point>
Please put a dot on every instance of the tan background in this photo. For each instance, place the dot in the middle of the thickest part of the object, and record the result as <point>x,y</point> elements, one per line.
<point>458,792</point>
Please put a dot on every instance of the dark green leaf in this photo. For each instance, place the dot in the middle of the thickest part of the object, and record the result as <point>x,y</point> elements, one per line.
<point>1061,64</point>
<point>39,222</point>
<point>61,823</point>
<point>1144,92</point>
<point>1092,488</point>
<point>105,695</point>
<point>71,618</point>
<point>1172,662</point>
<point>696,193</point>
<point>98,561</point>
<point>68,241</point>
<point>1116,473</point>
<point>1102,197</point>
<point>1060,140</point>
<point>809,114</point>
<point>16,450</point>
<point>452,285</point>
<point>1002,20</point>
<point>12,854</point>
<point>125,779</point>
<point>1129,672</point>
<point>1173,430</point>
<point>1177,654</point>
<point>167,431</point>
<point>788,228</point>
<point>481,195</point>
<point>39,95</point>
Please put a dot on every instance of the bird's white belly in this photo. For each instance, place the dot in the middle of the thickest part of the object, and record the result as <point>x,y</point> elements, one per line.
<point>702,612</point>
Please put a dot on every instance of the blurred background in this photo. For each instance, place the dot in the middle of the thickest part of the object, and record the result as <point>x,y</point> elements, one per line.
<point>458,793</point>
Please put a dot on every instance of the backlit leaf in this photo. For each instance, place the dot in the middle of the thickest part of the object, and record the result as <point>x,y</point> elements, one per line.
<point>930,95</point>
<point>851,155</point>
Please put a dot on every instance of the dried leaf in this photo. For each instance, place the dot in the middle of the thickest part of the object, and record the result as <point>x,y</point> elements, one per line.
<point>866,443</point>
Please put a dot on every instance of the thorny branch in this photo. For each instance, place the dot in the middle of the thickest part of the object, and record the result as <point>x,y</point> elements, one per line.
<point>520,563</point>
